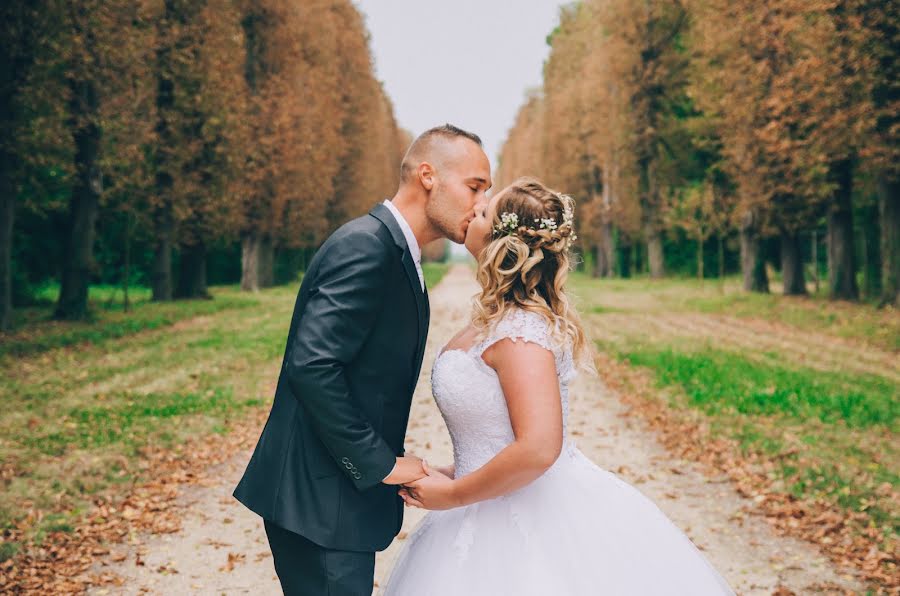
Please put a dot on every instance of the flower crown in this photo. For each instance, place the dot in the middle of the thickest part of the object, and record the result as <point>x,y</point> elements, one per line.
<point>509,225</point>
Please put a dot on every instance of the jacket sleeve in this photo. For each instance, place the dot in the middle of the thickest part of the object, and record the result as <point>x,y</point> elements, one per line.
<point>339,314</point>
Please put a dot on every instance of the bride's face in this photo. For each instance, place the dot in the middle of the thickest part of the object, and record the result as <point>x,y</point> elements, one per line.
<point>479,232</point>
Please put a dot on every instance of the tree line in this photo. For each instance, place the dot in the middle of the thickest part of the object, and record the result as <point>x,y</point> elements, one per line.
<point>758,128</point>
<point>153,142</point>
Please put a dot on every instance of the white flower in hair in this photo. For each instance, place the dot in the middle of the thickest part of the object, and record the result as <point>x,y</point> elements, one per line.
<point>548,223</point>
<point>509,223</point>
<point>568,215</point>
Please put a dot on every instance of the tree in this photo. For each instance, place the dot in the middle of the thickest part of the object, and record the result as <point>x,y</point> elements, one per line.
<point>701,211</point>
<point>200,131</point>
<point>786,87</point>
<point>98,45</point>
<point>295,142</point>
<point>20,39</point>
<point>652,70</point>
<point>368,169</point>
<point>880,22</point>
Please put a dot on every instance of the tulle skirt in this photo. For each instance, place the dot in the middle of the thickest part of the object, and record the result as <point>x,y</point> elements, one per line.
<point>577,530</point>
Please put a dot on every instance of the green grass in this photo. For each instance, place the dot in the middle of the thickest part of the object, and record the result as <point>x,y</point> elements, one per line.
<point>831,435</point>
<point>858,321</point>
<point>36,333</point>
<point>763,369</point>
<point>433,273</point>
<point>82,400</point>
<point>130,419</point>
<point>8,550</point>
<point>107,296</point>
<point>716,379</point>
<point>77,417</point>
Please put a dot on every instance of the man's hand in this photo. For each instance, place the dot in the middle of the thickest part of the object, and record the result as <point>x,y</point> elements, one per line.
<point>448,470</point>
<point>434,491</point>
<point>408,469</point>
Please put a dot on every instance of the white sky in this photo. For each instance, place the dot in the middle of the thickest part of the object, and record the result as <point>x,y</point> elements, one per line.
<point>467,62</point>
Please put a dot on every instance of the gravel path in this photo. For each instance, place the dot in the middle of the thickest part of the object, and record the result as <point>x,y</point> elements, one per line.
<point>222,548</point>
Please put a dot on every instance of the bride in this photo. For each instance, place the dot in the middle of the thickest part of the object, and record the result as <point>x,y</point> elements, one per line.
<point>522,510</point>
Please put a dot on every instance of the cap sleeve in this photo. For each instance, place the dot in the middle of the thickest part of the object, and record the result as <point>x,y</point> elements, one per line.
<point>519,324</point>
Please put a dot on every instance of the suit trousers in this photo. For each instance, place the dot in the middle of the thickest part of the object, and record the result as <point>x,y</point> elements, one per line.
<point>306,569</point>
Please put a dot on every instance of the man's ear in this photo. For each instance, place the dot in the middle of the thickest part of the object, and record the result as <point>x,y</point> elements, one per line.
<point>426,175</point>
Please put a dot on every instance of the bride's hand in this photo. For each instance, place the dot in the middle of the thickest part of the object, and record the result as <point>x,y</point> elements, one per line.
<point>434,491</point>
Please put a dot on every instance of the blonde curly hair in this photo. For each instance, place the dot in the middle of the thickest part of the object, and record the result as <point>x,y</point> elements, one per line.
<point>526,264</point>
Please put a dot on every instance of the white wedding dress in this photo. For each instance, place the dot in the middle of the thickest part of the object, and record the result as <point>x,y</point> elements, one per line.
<point>576,530</point>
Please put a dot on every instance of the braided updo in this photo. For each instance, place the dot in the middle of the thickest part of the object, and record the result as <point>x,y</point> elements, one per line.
<point>526,262</point>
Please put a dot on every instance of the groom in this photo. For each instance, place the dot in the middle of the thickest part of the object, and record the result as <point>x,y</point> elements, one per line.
<point>325,473</point>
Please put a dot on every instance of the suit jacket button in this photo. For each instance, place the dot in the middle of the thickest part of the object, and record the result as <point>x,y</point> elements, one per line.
<point>344,460</point>
<point>347,465</point>
<point>357,475</point>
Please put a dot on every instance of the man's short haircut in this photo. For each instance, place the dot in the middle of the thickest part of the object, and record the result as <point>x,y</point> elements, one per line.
<point>419,148</point>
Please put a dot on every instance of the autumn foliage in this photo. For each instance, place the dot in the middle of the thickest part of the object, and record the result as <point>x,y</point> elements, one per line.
<point>142,138</point>
<point>761,124</point>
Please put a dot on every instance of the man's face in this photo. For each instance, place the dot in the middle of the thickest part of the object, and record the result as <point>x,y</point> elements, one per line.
<point>460,182</point>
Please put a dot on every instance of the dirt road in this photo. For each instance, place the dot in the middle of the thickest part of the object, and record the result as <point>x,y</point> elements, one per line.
<point>222,549</point>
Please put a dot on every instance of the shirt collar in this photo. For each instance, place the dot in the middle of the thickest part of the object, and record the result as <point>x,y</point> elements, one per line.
<point>411,241</point>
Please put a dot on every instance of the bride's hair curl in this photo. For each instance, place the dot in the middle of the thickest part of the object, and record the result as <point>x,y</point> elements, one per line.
<point>526,264</point>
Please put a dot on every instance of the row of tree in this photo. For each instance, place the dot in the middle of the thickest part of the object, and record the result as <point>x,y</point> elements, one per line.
<point>162,130</point>
<point>700,119</point>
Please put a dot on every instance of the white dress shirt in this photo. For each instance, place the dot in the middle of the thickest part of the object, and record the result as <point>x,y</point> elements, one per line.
<point>414,249</point>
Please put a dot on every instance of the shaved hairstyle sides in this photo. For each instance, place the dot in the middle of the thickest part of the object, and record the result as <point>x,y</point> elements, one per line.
<point>424,144</point>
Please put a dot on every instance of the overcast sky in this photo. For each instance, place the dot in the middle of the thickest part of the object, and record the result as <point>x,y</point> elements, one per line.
<point>467,62</point>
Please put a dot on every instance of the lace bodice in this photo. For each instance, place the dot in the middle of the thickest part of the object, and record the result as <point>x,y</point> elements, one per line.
<point>469,396</point>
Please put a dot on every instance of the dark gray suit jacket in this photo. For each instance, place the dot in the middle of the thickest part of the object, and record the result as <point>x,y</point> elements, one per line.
<point>353,356</point>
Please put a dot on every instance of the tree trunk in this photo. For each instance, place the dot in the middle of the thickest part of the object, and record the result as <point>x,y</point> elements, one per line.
<point>625,256</point>
<point>638,262</point>
<point>792,264</point>
<point>753,262</point>
<point>162,259</point>
<point>889,216</point>
<point>700,259</point>
<point>307,253</point>
<point>192,272</point>
<point>599,265</point>
<point>608,233</point>
<point>126,268</point>
<point>841,258</point>
<point>610,250</point>
<point>721,246</point>
<point>7,215</point>
<point>871,252</point>
<point>815,260</point>
<point>20,44</point>
<point>257,262</point>
<point>163,284</point>
<point>250,262</point>
<point>655,254</point>
<point>603,252</point>
<point>266,262</point>
<point>84,203</point>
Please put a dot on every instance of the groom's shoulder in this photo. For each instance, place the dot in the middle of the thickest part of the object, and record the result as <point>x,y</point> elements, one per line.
<point>365,234</point>
<point>366,224</point>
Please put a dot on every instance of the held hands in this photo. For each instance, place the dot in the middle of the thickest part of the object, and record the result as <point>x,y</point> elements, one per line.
<point>434,491</point>
<point>407,469</point>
